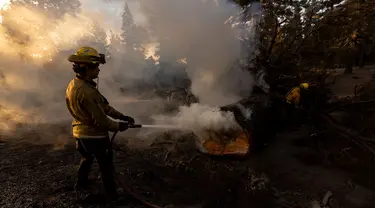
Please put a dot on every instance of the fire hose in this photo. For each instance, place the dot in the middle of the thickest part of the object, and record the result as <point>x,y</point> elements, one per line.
<point>123,186</point>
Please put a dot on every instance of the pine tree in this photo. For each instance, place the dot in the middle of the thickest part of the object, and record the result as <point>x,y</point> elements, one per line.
<point>129,35</point>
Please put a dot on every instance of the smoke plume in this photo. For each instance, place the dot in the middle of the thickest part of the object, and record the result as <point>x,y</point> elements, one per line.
<point>35,72</point>
<point>199,31</point>
<point>200,117</point>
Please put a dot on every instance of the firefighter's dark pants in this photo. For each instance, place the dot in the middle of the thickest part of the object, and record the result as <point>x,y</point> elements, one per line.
<point>101,150</point>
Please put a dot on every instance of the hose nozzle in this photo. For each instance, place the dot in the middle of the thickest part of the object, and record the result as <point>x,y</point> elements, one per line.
<point>135,125</point>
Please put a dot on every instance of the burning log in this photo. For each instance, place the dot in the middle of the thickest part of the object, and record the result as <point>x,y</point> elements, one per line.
<point>225,143</point>
<point>249,114</point>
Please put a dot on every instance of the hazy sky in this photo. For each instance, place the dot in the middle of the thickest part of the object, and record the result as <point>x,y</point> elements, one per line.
<point>110,12</point>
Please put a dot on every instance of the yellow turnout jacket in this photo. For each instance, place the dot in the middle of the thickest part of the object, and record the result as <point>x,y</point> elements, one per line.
<point>294,96</point>
<point>90,110</point>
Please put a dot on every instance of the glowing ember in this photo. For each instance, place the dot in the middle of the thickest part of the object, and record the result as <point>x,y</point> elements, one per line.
<point>222,143</point>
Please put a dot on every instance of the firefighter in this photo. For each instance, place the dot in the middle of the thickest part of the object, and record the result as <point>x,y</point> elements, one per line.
<point>293,97</point>
<point>89,109</point>
<point>296,103</point>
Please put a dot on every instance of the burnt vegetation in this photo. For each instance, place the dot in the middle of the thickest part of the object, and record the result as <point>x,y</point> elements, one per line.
<point>307,41</point>
<point>296,41</point>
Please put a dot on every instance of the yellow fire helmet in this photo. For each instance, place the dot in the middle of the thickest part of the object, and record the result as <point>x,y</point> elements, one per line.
<point>304,85</point>
<point>87,55</point>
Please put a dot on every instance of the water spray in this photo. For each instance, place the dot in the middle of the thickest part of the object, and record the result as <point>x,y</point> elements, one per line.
<point>154,126</point>
<point>134,126</point>
<point>162,126</point>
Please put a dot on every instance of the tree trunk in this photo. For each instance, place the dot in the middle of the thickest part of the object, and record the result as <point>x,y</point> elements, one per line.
<point>348,68</point>
<point>349,61</point>
<point>362,51</point>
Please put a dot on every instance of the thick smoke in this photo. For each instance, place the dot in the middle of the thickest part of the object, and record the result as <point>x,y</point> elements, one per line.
<point>202,33</point>
<point>200,117</point>
<point>199,31</point>
<point>35,72</point>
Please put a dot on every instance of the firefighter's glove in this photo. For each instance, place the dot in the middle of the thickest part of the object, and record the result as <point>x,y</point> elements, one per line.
<point>123,126</point>
<point>127,118</point>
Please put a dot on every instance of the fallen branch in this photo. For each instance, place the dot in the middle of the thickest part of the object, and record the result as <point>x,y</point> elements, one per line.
<point>343,130</point>
<point>355,104</point>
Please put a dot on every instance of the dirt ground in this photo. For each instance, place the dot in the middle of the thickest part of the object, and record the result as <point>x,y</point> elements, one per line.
<point>345,83</point>
<point>295,170</point>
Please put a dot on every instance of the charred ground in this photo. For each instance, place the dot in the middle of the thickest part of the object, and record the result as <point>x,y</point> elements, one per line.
<point>293,171</point>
